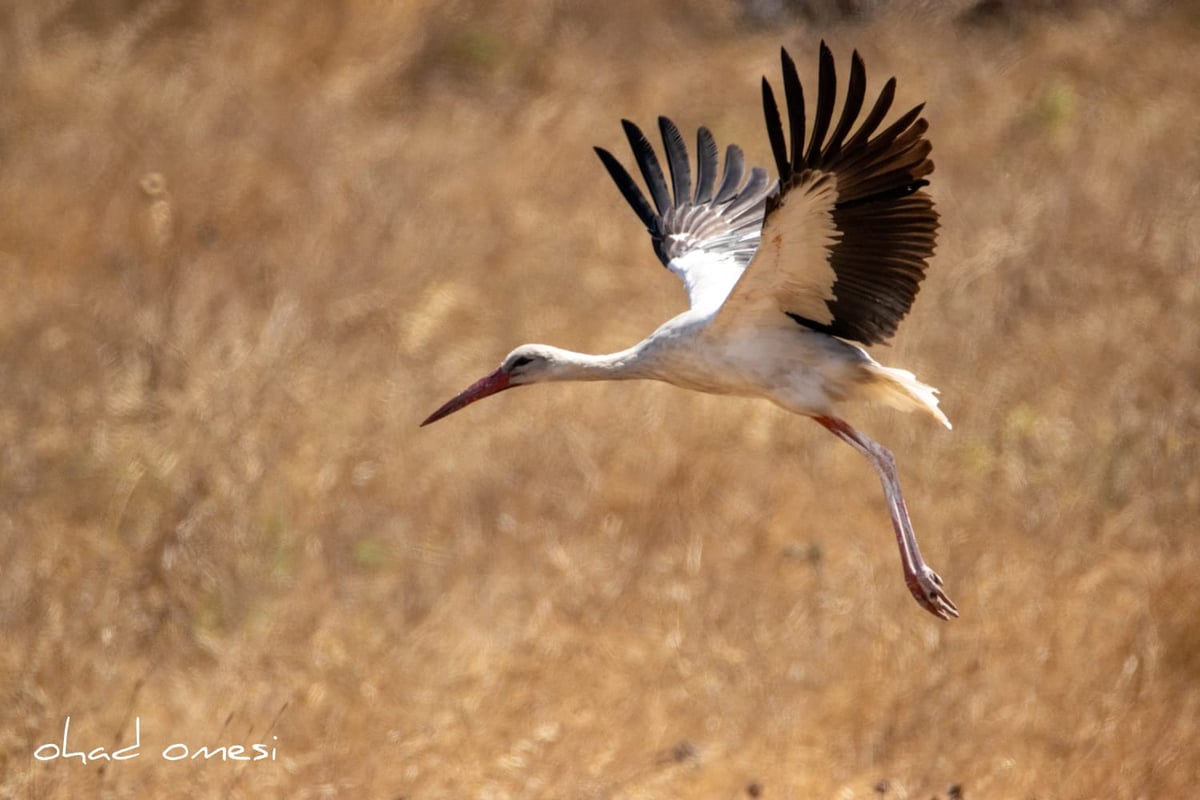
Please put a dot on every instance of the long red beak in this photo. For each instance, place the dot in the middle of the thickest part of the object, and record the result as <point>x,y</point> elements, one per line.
<point>484,387</point>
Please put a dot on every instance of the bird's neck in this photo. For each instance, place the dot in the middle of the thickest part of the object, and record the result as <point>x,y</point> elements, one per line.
<point>629,364</point>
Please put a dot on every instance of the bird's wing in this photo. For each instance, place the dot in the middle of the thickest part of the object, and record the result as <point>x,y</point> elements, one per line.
<point>848,234</point>
<point>706,237</point>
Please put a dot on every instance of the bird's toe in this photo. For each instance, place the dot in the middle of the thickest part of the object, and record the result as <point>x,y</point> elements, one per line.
<point>926,587</point>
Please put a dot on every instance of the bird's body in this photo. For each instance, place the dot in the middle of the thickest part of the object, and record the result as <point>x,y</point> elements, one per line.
<point>784,280</point>
<point>799,370</point>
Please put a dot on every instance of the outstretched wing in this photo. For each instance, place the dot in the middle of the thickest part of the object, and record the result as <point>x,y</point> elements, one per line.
<point>706,238</point>
<point>848,235</point>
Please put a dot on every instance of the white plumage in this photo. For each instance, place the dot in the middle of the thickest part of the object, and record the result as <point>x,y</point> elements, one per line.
<point>784,280</point>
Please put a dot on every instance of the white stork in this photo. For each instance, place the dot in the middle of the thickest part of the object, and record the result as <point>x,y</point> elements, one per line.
<point>785,280</point>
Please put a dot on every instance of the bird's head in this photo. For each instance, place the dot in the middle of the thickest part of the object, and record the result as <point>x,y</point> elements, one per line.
<point>529,363</point>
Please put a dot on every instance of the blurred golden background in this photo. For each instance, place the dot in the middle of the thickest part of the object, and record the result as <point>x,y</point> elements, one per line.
<point>246,248</point>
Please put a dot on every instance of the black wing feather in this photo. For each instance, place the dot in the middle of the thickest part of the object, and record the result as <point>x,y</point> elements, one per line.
<point>677,160</point>
<point>729,222</point>
<point>826,94</point>
<point>647,161</point>
<point>794,92</point>
<point>706,165</point>
<point>775,132</point>
<point>629,189</point>
<point>735,168</point>
<point>883,104</point>
<point>886,226</point>
<point>855,92</point>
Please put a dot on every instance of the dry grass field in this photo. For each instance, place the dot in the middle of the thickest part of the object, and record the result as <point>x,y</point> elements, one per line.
<point>246,248</point>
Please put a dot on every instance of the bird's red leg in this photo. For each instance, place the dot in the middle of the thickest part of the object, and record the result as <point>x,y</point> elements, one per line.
<point>922,581</point>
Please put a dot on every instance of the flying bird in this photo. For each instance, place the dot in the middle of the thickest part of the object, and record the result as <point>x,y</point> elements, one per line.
<point>787,280</point>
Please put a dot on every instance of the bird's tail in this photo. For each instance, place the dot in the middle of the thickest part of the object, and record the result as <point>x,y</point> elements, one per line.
<point>900,389</point>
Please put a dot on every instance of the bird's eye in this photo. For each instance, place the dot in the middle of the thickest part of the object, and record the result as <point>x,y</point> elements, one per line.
<point>520,361</point>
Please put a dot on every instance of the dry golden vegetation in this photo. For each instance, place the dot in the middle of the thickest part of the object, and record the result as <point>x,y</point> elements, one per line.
<point>246,248</point>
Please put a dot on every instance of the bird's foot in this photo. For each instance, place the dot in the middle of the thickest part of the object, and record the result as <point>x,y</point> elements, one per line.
<point>926,587</point>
